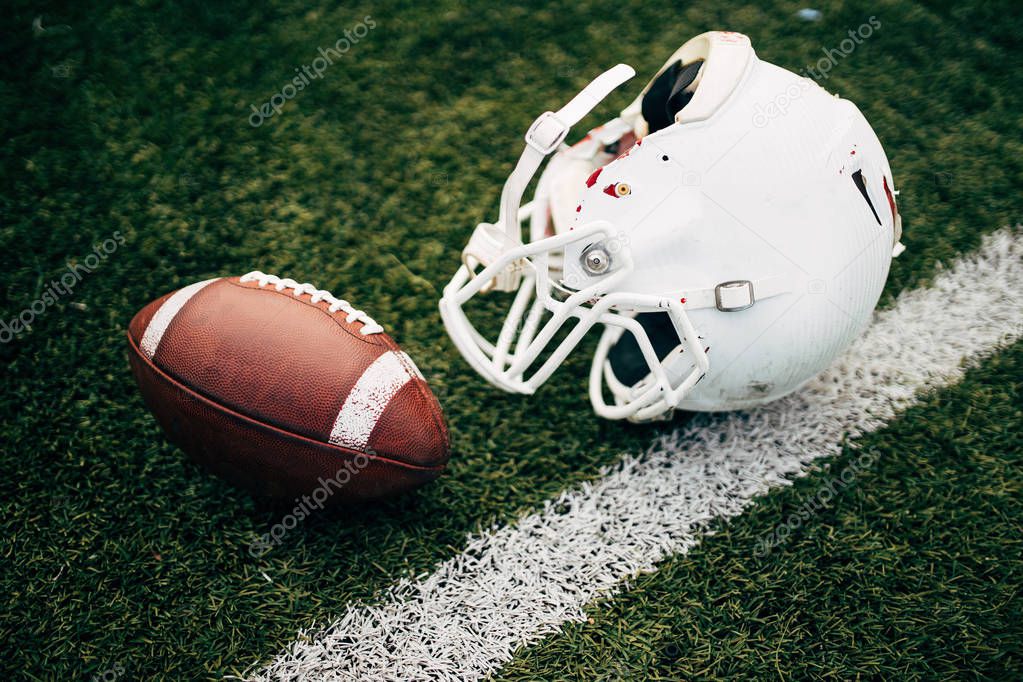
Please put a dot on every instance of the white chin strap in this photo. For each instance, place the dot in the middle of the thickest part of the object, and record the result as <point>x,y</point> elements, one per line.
<point>490,241</point>
<point>506,265</point>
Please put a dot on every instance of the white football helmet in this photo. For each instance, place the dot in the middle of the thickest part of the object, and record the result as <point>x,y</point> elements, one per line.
<point>731,231</point>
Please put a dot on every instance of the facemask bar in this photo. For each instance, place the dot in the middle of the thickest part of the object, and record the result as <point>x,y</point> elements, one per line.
<point>658,398</point>
<point>506,369</point>
<point>495,361</point>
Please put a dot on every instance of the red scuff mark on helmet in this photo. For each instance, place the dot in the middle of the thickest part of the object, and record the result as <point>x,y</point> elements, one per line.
<point>891,198</point>
<point>592,180</point>
<point>639,143</point>
<point>578,208</point>
<point>682,300</point>
<point>610,190</point>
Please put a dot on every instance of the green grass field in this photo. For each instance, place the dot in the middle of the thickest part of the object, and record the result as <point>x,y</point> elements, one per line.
<point>130,121</point>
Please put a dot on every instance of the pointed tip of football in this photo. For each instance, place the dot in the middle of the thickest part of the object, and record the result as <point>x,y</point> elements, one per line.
<point>412,424</point>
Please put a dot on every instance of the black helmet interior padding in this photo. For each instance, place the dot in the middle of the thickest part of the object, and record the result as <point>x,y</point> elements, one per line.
<point>667,94</point>
<point>627,361</point>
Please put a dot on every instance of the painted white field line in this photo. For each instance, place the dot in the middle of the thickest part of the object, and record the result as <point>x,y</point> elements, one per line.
<point>515,584</point>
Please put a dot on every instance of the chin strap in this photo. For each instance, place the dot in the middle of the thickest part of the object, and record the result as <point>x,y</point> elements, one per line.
<point>736,295</point>
<point>489,241</point>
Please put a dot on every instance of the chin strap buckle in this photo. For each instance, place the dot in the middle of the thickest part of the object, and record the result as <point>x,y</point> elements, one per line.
<point>550,129</point>
<point>547,133</point>
<point>730,297</point>
<point>737,294</point>
<point>486,246</point>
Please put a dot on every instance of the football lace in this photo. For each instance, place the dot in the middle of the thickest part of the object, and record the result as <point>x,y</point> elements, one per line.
<point>317,295</point>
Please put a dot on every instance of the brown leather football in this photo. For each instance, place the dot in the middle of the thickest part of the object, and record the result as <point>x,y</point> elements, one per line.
<point>286,390</point>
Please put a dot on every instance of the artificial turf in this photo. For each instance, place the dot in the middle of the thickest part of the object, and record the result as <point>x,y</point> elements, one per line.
<point>132,121</point>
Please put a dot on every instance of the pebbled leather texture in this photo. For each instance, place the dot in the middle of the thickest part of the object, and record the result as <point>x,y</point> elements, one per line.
<point>249,381</point>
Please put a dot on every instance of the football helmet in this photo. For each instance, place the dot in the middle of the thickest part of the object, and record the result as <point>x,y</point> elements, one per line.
<point>730,231</point>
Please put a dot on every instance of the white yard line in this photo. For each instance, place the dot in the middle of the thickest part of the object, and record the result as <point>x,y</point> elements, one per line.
<point>515,584</point>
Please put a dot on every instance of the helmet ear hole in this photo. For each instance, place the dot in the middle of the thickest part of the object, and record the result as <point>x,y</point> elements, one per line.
<point>669,94</point>
<point>627,361</point>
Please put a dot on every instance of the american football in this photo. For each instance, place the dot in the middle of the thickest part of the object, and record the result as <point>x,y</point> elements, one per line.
<point>282,388</point>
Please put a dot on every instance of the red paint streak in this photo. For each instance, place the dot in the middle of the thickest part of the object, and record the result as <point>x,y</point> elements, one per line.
<point>592,180</point>
<point>891,198</point>
<point>682,300</point>
<point>610,191</point>
<point>578,208</point>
